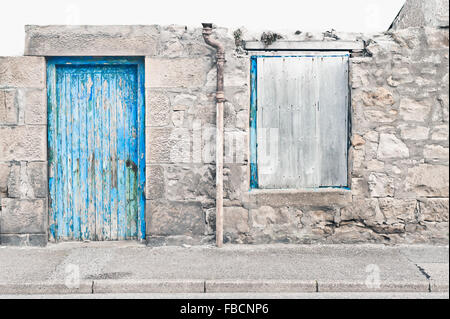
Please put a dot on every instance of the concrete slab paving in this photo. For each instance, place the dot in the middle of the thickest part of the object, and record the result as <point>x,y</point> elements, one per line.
<point>132,267</point>
<point>149,286</point>
<point>259,286</point>
<point>363,286</point>
<point>438,273</point>
<point>82,287</point>
<point>332,264</point>
<point>425,253</point>
<point>27,265</point>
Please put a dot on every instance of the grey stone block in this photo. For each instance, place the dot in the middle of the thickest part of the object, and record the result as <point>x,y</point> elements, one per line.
<point>440,132</point>
<point>23,106</point>
<point>21,72</point>
<point>236,144</point>
<point>235,182</point>
<point>196,108</point>
<point>175,218</point>
<point>155,182</point>
<point>436,153</point>
<point>168,145</point>
<point>354,232</point>
<point>35,106</point>
<point>155,241</point>
<point>28,143</point>
<point>35,240</point>
<point>9,111</point>
<point>39,240</point>
<point>178,240</point>
<point>194,182</point>
<point>396,210</point>
<point>412,132</point>
<point>235,220</point>
<point>180,145</point>
<point>319,197</point>
<point>427,180</point>
<point>158,109</point>
<point>181,72</point>
<point>411,110</point>
<point>28,180</point>
<point>434,209</point>
<point>118,40</point>
<point>236,72</point>
<point>14,239</point>
<point>381,185</point>
<point>182,41</point>
<point>391,147</point>
<point>4,176</point>
<point>23,216</point>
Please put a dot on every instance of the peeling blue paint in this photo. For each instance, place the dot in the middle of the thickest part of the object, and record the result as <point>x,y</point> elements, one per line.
<point>335,187</point>
<point>253,140</point>
<point>96,140</point>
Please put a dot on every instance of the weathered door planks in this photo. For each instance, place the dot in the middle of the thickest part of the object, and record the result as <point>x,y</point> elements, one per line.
<point>300,106</point>
<point>96,148</point>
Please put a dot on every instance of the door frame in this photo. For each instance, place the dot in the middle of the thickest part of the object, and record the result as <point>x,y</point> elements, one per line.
<point>139,62</point>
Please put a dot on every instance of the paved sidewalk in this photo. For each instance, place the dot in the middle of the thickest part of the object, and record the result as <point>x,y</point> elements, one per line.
<point>124,267</point>
<point>241,295</point>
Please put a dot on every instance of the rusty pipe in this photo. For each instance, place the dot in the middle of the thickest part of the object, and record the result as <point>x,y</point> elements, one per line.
<point>220,99</point>
<point>220,55</point>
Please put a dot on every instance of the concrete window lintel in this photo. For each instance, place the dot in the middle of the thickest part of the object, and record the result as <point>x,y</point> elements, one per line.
<point>302,197</point>
<point>91,40</point>
<point>306,45</point>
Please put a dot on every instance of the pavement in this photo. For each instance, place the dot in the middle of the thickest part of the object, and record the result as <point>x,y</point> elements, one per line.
<point>121,269</point>
<point>239,295</point>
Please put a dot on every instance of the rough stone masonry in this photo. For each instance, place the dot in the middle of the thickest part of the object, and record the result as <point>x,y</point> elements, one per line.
<point>399,153</point>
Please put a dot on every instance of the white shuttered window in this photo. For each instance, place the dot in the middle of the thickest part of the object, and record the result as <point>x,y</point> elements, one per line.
<point>301,121</point>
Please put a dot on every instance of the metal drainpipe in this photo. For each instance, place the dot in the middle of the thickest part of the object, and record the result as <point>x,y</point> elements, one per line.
<point>220,99</point>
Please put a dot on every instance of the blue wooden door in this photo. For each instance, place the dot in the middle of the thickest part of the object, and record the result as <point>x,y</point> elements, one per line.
<point>96,148</point>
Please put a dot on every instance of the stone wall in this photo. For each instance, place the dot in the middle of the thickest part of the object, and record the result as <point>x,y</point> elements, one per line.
<point>181,83</point>
<point>23,151</point>
<point>400,180</point>
<point>398,175</point>
<point>398,157</point>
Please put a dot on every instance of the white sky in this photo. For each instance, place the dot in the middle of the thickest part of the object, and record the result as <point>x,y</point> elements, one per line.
<point>304,15</point>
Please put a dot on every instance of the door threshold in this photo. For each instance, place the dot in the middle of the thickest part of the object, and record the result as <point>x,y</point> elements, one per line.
<point>97,244</point>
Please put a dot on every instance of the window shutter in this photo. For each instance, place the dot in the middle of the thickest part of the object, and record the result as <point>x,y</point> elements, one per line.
<point>302,121</point>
